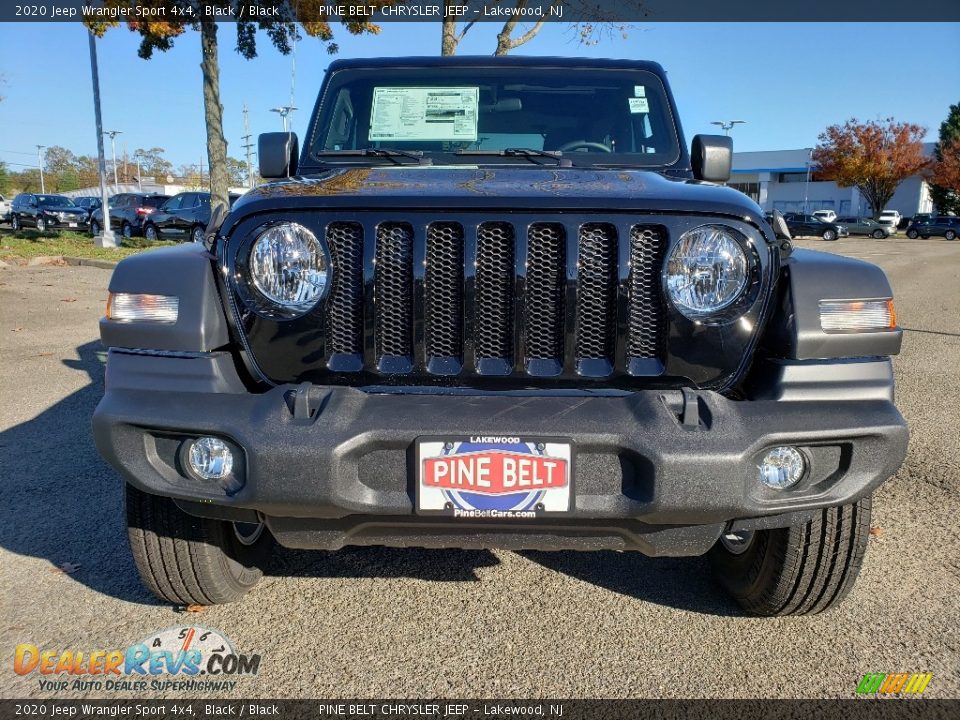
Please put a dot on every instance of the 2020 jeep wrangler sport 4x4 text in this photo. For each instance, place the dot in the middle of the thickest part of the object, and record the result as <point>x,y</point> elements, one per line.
<point>496,303</point>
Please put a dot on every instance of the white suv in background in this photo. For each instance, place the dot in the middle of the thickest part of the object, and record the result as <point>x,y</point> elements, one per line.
<point>4,209</point>
<point>891,218</point>
<point>825,215</point>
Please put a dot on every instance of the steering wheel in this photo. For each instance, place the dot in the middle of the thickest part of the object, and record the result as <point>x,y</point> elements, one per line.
<point>584,145</point>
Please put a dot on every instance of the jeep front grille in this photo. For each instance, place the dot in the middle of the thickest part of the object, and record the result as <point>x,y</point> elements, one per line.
<point>496,297</point>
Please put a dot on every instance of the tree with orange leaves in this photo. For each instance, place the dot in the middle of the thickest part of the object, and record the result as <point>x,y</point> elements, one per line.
<point>280,19</point>
<point>874,156</point>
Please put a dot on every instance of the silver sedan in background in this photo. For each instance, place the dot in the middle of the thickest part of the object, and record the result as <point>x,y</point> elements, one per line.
<point>865,226</point>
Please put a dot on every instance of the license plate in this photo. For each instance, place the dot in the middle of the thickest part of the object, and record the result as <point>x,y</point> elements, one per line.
<point>71,224</point>
<point>494,477</point>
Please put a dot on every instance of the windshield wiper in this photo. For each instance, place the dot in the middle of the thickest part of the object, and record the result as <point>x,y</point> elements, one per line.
<point>528,153</point>
<point>388,153</point>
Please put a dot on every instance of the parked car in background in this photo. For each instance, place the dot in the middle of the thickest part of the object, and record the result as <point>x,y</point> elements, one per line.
<point>88,203</point>
<point>4,209</point>
<point>946,226</point>
<point>865,226</point>
<point>183,217</point>
<point>891,218</point>
<point>46,212</point>
<point>128,213</point>
<point>811,225</point>
<point>825,215</point>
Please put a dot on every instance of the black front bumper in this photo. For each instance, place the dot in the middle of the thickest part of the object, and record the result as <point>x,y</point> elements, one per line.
<point>664,472</point>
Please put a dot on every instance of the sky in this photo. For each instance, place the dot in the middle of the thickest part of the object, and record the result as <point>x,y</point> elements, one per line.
<point>787,81</point>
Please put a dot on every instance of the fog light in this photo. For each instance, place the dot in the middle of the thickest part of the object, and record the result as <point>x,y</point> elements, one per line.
<point>782,468</point>
<point>210,458</point>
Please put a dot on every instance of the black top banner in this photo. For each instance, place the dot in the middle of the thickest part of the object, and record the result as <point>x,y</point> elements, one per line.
<point>499,11</point>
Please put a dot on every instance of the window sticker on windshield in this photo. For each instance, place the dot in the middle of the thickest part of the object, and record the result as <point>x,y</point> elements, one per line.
<point>639,90</point>
<point>639,105</point>
<point>408,113</point>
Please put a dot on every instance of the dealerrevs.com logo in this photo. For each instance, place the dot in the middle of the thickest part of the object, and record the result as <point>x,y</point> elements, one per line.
<point>185,658</point>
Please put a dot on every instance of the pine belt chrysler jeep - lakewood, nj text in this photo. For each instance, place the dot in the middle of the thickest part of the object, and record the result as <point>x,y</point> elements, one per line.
<point>496,303</point>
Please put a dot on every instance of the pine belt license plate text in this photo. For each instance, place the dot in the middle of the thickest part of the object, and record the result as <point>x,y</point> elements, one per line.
<point>493,477</point>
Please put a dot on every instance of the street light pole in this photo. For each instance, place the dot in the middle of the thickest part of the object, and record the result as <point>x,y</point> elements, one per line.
<point>806,184</point>
<point>727,125</point>
<point>113,149</point>
<point>43,188</point>
<point>284,111</point>
<point>106,238</point>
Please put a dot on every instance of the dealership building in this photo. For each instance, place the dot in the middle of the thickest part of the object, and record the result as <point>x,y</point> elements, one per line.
<point>781,180</point>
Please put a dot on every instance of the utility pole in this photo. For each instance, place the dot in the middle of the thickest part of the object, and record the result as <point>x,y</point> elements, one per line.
<point>139,174</point>
<point>806,184</point>
<point>43,188</point>
<point>247,145</point>
<point>113,148</point>
<point>106,238</point>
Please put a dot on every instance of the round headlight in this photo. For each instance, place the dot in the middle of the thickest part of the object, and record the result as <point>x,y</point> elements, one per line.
<point>707,271</point>
<point>289,267</point>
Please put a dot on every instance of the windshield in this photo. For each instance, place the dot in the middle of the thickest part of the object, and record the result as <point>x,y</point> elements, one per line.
<point>617,117</point>
<point>54,201</point>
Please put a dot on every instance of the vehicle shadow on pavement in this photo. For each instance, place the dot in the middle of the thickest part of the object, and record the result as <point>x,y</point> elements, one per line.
<point>62,502</point>
<point>382,562</point>
<point>681,583</point>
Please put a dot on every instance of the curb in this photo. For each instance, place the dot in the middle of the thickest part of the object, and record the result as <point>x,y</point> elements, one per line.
<point>90,262</point>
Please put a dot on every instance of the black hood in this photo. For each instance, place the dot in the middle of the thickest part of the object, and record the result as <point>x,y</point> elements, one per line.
<point>497,187</point>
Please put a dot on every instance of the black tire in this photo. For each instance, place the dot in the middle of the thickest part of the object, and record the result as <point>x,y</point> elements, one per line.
<point>126,230</point>
<point>188,560</point>
<point>913,234</point>
<point>879,234</point>
<point>15,223</point>
<point>94,228</point>
<point>798,570</point>
<point>196,234</point>
<point>950,235</point>
<point>41,224</point>
<point>829,235</point>
<point>150,232</point>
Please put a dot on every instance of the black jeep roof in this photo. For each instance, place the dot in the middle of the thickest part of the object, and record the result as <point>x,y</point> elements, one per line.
<point>431,61</point>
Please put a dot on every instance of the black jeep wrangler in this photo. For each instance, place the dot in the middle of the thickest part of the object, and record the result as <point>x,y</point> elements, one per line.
<point>495,303</point>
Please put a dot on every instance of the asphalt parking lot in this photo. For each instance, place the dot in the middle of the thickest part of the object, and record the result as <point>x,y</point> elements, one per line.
<point>412,623</point>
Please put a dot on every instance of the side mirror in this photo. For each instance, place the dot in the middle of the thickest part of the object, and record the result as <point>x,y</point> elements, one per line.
<point>712,157</point>
<point>279,153</point>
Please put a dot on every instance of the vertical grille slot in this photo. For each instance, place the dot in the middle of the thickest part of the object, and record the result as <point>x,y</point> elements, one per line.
<point>443,290</point>
<point>345,306</point>
<point>393,292</point>
<point>546,269</point>
<point>646,317</point>
<point>596,298</point>
<point>493,324</point>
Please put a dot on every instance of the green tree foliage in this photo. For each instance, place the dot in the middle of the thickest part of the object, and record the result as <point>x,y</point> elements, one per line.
<point>153,163</point>
<point>282,30</point>
<point>4,178</point>
<point>237,172</point>
<point>946,198</point>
